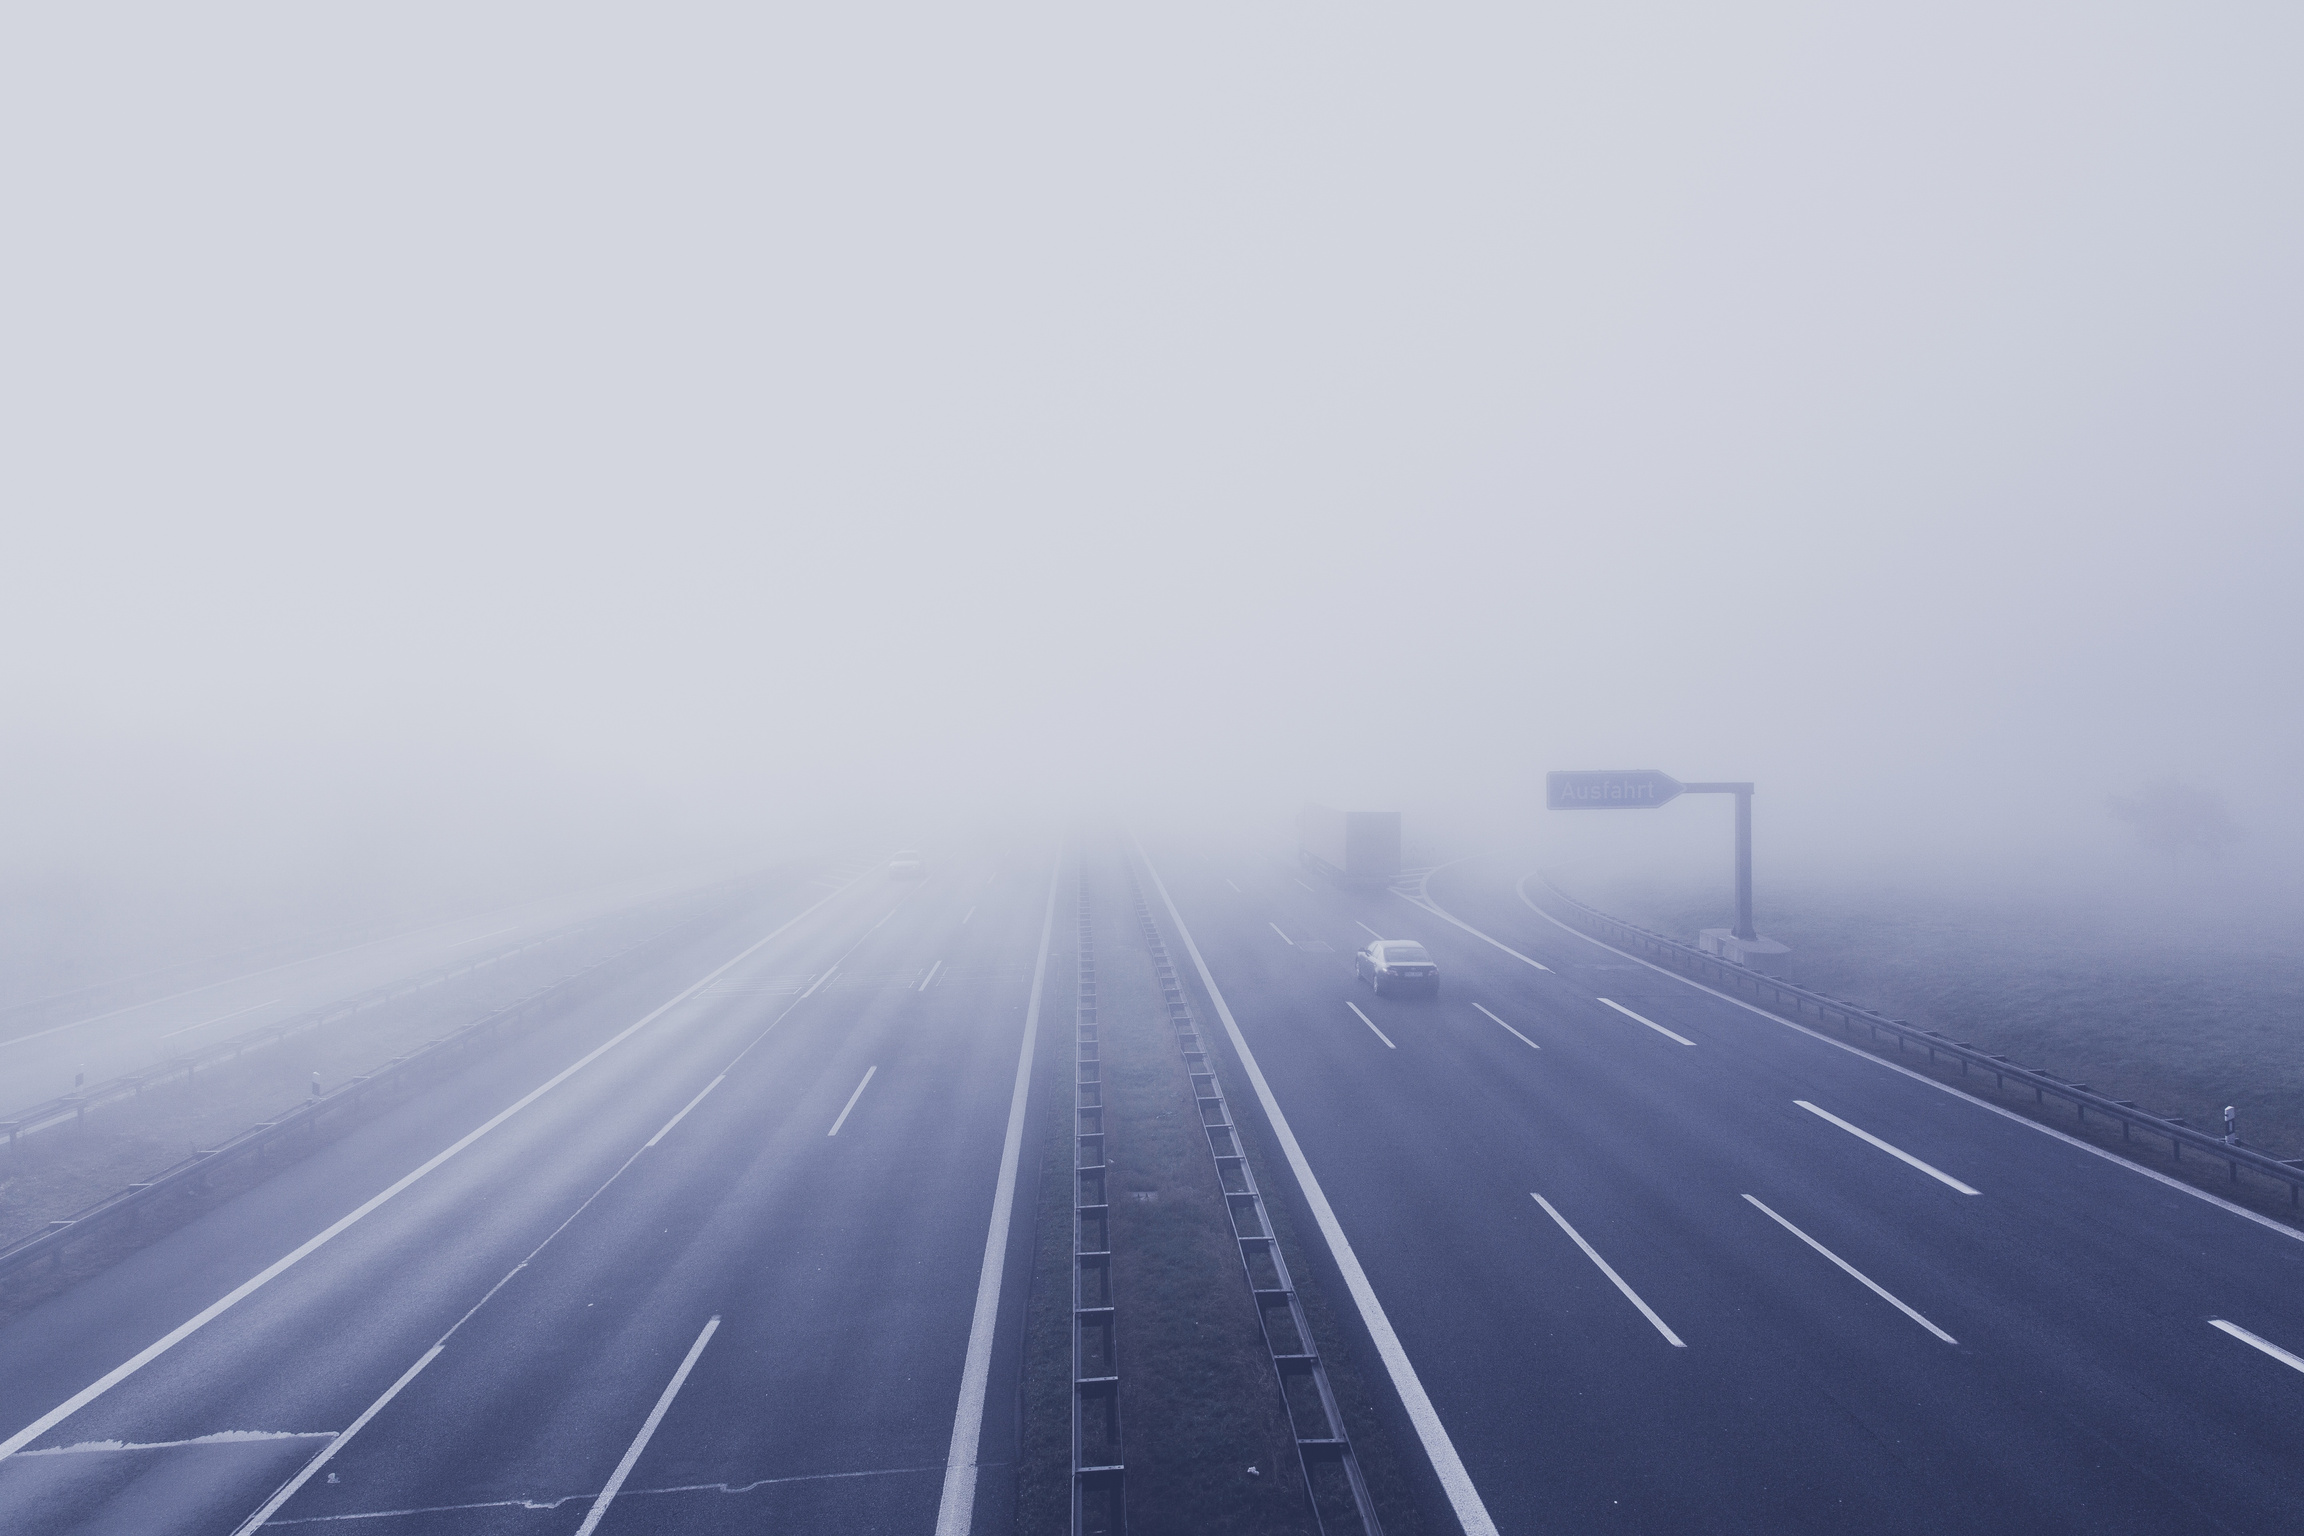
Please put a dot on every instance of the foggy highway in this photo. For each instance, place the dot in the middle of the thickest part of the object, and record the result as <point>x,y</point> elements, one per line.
<point>702,709</point>
<point>1636,1257</point>
<point>2043,1358</point>
<point>566,1261</point>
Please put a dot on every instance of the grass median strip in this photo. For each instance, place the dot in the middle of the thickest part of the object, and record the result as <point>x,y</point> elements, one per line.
<point>1208,1443</point>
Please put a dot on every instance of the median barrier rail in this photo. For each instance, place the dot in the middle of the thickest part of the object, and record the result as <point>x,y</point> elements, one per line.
<point>1335,1491</point>
<point>1850,1016</point>
<point>1099,1468</point>
<point>435,1055</point>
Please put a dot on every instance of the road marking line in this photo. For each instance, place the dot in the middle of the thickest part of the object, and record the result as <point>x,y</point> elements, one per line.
<point>1867,1281</point>
<point>676,1119</point>
<point>1450,917</point>
<point>288,1489</point>
<point>819,981</point>
<point>1463,1497</point>
<point>971,913</point>
<point>220,1437</point>
<point>1651,1023</point>
<point>956,1506</point>
<point>546,1504</point>
<point>931,976</point>
<point>1899,1153</point>
<point>1371,1023</point>
<point>1857,1051</point>
<point>497,934</point>
<point>1515,1034</point>
<point>852,1098</point>
<point>647,1431</point>
<point>1364,928</point>
<point>1593,1254</point>
<point>1275,927</point>
<point>2266,1345</point>
<point>1300,880</point>
<point>280,1266</point>
<point>1228,881</point>
<point>220,1018</point>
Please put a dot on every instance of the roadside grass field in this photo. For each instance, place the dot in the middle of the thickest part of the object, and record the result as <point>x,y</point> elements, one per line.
<point>2182,1015</point>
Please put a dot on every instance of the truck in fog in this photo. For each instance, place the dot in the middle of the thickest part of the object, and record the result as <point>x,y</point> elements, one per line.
<point>1349,847</point>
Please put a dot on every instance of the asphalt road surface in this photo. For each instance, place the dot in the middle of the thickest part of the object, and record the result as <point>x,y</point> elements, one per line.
<point>711,1254</point>
<point>698,1257</point>
<point>1836,1297</point>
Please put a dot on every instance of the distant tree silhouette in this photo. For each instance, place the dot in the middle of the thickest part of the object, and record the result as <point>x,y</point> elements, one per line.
<point>2172,818</point>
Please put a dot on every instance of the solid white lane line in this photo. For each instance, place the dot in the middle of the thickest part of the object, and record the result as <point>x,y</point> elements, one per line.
<point>1515,1034</point>
<point>1898,1153</point>
<point>535,1504</point>
<point>2293,1234</point>
<point>1450,917</point>
<point>1275,927</point>
<point>1861,1278</point>
<point>1364,928</point>
<point>220,1437</point>
<point>852,1098</point>
<point>496,934</point>
<point>2266,1345</point>
<point>1464,1498</point>
<point>1371,1023</point>
<point>1593,1254</point>
<point>220,1018</point>
<point>931,976</point>
<point>264,1277</point>
<point>691,1104</point>
<point>956,1507</point>
<point>820,980</point>
<point>1651,1023</point>
<point>288,1489</point>
<point>647,1431</point>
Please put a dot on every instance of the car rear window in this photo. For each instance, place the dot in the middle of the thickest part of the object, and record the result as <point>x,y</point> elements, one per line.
<point>1405,952</point>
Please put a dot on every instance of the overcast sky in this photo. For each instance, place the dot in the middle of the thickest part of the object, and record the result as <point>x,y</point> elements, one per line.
<point>471,428</point>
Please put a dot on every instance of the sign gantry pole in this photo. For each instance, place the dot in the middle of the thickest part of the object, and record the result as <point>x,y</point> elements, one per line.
<point>1743,794</point>
<point>1646,789</point>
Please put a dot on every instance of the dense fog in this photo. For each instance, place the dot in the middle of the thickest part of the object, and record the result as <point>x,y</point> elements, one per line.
<point>455,450</point>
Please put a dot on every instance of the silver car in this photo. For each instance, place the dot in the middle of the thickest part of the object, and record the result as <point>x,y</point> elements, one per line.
<point>1397,966</point>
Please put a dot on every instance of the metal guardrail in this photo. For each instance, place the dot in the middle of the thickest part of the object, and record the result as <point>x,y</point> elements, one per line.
<point>1851,1016</point>
<point>304,1119</point>
<point>1323,1447</point>
<point>1099,1470</point>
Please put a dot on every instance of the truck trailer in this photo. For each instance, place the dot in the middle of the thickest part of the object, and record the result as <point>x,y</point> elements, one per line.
<point>1349,847</point>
